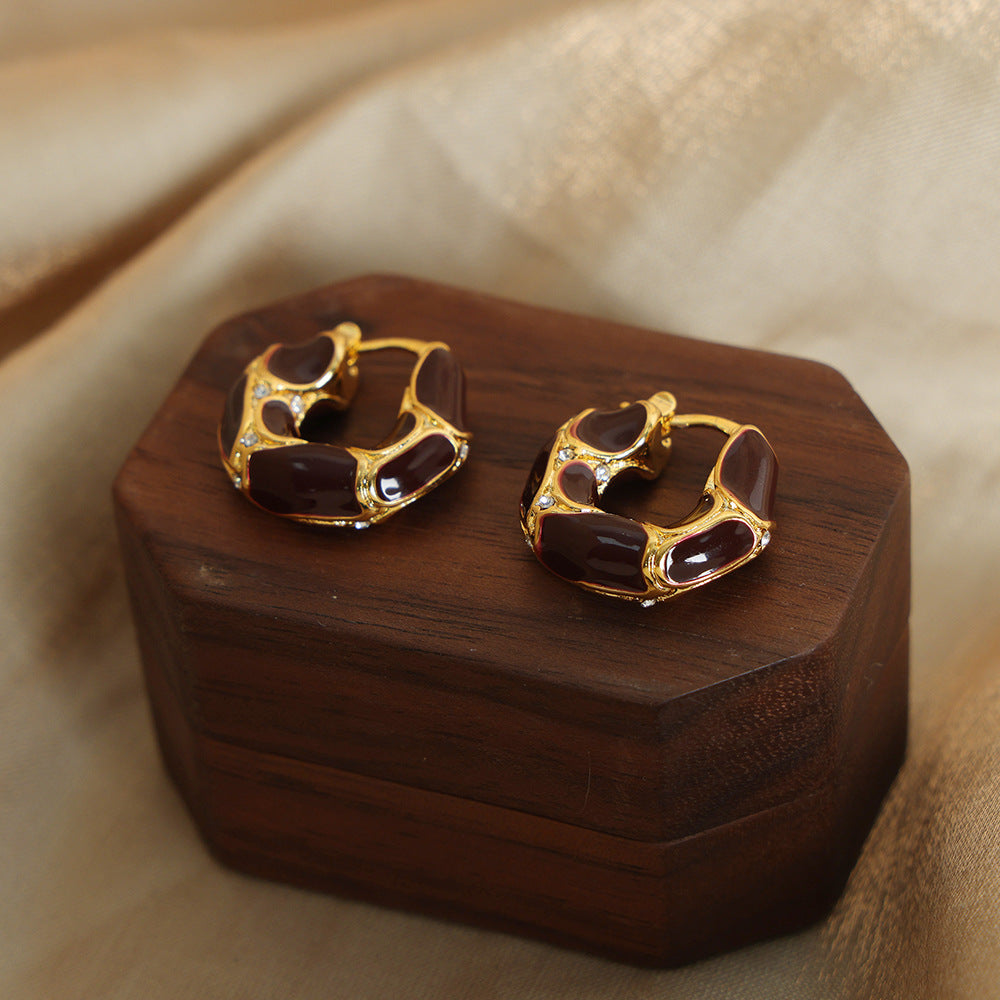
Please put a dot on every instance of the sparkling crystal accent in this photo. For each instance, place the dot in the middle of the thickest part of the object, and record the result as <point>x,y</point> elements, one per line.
<point>361,525</point>
<point>649,603</point>
<point>249,439</point>
<point>237,482</point>
<point>603,473</point>
<point>565,454</point>
<point>765,539</point>
<point>545,502</point>
<point>296,405</point>
<point>463,451</point>
<point>260,390</point>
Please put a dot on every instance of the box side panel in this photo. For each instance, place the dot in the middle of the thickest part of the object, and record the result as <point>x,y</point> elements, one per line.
<point>872,735</point>
<point>659,904</point>
<point>406,717</point>
<point>161,649</point>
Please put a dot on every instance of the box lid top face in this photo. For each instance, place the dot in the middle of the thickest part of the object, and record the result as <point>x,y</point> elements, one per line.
<point>436,637</point>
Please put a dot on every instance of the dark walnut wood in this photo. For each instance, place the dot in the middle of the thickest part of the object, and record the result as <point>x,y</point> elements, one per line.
<point>420,714</point>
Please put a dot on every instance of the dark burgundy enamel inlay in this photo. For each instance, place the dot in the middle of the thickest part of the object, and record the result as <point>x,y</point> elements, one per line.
<point>440,384</point>
<point>322,422</point>
<point>749,471</point>
<point>302,363</point>
<point>578,482</point>
<point>701,508</point>
<point>612,430</point>
<point>404,424</point>
<point>232,415</point>
<point>316,480</point>
<point>536,475</point>
<point>415,468</point>
<point>604,549</point>
<point>700,555</point>
<point>278,418</point>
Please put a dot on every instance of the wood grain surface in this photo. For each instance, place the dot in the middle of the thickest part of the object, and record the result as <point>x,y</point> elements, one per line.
<point>422,715</point>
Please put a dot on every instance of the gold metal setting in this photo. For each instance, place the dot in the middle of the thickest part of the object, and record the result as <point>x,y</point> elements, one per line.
<point>656,560</point>
<point>335,388</point>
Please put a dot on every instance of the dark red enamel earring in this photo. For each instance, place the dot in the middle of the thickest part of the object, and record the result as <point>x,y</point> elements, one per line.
<point>274,467</point>
<point>621,557</point>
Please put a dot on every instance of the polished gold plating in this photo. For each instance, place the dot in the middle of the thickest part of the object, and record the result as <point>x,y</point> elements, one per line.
<point>648,456</point>
<point>336,387</point>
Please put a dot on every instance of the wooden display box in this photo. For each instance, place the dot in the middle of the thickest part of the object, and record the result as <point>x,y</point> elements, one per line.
<point>419,714</point>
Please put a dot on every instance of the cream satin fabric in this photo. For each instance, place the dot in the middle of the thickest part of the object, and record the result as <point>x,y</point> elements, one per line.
<point>815,178</point>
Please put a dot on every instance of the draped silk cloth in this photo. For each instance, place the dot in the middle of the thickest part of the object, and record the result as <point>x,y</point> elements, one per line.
<point>815,178</point>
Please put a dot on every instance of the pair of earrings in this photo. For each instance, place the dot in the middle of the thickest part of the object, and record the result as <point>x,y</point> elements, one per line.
<point>268,460</point>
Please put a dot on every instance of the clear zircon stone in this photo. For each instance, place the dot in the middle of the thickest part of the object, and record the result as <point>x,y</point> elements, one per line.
<point>463,451</point>
<point>565,454</point>
<point>649,603</point>
<point>603,473</point>
<point>260,390</point>
<point>361,525</point>
<point>249,439</point>
<point>296,405</point>
<point>545,502</point>
<point>765,539</point>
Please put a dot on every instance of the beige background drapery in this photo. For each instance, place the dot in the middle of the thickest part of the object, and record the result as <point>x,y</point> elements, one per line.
<point>817,178</point>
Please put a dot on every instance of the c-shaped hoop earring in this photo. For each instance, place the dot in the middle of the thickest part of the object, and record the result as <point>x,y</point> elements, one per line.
<point>274,467</point>
<point>634,560</point>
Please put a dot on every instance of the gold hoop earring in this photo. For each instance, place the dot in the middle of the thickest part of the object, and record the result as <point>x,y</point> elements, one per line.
<point>268,460</point>
<point>621,557</point>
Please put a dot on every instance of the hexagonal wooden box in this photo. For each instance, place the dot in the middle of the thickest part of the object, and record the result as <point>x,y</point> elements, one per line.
<point>420,715</point>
